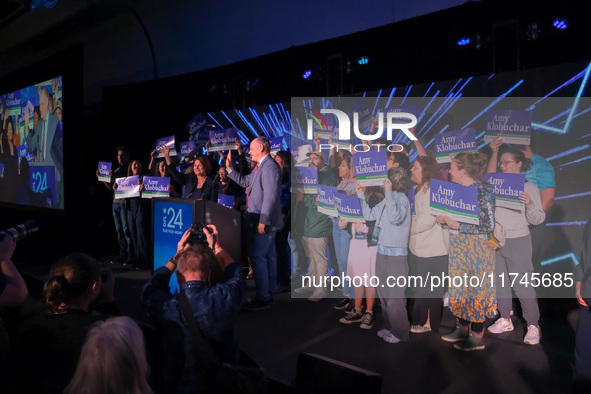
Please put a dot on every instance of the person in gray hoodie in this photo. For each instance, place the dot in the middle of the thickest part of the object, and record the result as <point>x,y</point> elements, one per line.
<point>391,231</point>
<point>515,257</point>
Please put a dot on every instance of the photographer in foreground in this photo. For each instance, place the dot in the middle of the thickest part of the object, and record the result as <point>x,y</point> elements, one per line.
<point>215,307</point>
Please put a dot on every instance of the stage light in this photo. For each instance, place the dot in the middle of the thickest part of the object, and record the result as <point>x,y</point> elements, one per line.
<point>363,60</point>
<point>42,3</point>
<point>463,41</point>
<point>560,23</point>
<point>306,74</point>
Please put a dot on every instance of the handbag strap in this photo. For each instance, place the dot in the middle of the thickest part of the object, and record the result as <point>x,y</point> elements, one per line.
<point>209,362</point>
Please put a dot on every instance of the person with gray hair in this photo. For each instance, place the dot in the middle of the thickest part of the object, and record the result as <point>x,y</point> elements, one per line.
<point>264,218</point>
<point>113,360</point>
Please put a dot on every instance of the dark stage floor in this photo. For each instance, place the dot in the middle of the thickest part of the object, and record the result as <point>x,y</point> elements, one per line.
<point>425,364</point>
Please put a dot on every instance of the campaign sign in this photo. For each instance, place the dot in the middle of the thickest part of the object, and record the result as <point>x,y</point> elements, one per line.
<point>301,155</point>
<point>226,200</point>
<point>168,142</point>
<point>171,220</point>
<point>411,199</point>
<point>276,144</point>
<point>127,187</point>
<point>104,168</point>
<point>454,142</point>
<point>456,201</point>
<point>22,151</point>
<point>513,126</point>
<point>370,167</point>
<point>361,115</point>
<point>187,147</point>
<point>336,141</point>
<point>408,109</point>
<point>306,179</point>
<point>13,102</point>
<point>325,200</point>
<point>507,187</point>
<point>196,125</point>
<point>348,207</point>
<point>155,186</point>
<point>43,181</point>
<point>322,130</point>
<point>222,139</point>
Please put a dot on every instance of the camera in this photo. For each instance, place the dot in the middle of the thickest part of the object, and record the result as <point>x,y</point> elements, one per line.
<point>197,235</point>
<point>20,231</point>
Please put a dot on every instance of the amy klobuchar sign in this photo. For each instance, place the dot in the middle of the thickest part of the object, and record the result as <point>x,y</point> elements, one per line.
<point>507,187</point>
<point>370,167</point>
<point>224,139</point>
<point>456,201</point>
<point>196,126</point>
<point>306,179</point>
<point>276,144</point>
<point>513,126</point>
<point>168,142</point>
<point>326,201</point>
<point>127,187</point>
<point>454,142</point>
<point>155,186</point>
<point>104,168</point>
<point>348,207</point>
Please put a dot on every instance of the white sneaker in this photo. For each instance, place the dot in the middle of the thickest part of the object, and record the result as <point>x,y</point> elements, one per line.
<point>390,338</point>
<point>418,329</point>
<point>317,295</point>
<point>303,290</point>
<point>533,335</point>
<point>501,325</point>
<point>383,332</point>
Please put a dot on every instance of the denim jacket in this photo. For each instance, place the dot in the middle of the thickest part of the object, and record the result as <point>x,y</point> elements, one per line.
<point>393,218</point>
<point>215,309</point>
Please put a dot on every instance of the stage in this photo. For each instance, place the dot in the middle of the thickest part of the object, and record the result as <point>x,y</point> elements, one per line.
<point>425,364</point>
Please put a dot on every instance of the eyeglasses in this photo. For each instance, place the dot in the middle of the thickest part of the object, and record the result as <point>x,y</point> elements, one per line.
<point>504,163</point>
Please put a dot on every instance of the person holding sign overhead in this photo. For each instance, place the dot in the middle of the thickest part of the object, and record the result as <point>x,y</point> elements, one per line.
<point>470,255</point>
<point>515,256</point>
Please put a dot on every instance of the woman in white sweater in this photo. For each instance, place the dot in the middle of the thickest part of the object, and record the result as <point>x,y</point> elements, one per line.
<point>428,244</point>
<point>515,256</point>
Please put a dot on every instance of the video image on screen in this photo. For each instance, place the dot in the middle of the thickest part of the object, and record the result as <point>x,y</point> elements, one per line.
<point>31,145</point>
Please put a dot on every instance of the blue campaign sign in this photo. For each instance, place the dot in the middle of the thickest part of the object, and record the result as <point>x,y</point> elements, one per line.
<point>42,180</point>
<point>171,220</point>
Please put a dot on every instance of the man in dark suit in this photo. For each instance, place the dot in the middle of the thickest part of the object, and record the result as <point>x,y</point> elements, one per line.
<point>41,142</point>
<point>264,218</point>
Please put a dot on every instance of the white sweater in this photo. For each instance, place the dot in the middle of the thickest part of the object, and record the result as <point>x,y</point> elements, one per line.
<point>427,237</point>
<point>516,222</point>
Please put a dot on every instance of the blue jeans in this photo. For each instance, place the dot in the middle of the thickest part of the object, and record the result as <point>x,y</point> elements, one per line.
<point>135,222</point>
<point>342,241</point>
<point>263,259</point>
<point>123,236</point>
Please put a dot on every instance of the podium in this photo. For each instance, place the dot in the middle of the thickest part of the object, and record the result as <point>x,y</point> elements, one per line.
<point>171,217</point>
